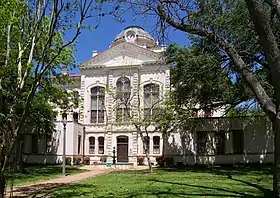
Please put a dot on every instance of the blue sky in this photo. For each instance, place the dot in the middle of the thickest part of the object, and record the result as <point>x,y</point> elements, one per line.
<point>100,38</point>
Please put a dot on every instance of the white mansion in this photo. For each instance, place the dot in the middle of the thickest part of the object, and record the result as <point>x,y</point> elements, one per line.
<point>132,69</point>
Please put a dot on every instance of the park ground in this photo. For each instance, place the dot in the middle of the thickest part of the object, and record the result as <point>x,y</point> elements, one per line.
<point>217,182</point>
<point>35,173</point>
<point>245,182</point>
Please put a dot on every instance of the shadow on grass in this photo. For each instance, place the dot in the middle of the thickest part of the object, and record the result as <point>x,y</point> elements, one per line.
<point>37,190</point>
<point>231,172</point>
<point>266,192</point>
<point>225,170</point>
<point>35,172</point>
<point>167,188</point>
<point>88,190</point>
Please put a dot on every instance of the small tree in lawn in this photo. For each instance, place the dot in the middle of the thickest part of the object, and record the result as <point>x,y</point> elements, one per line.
<point>139,109</point>
<point>175,118</point>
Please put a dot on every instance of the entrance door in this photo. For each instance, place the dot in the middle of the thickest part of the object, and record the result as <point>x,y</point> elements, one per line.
<point>122,149</point>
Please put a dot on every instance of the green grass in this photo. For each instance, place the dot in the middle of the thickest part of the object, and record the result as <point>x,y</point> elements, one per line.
<point>193,183</point>
<point>35,173</point>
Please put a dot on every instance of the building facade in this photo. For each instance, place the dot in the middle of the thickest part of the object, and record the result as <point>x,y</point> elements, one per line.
<point>120,86</point>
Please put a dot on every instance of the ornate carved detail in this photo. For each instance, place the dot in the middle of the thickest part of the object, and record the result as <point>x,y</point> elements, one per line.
<point>122,49</point>
<point>82,94</point>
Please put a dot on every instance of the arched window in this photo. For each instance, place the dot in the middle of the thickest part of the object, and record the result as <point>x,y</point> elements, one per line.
<point>123,96</point>
<point>100,145</point>
<point>156,144</point>
<point>91,145</point>
<point>151,98</point>
<point>76,116</point>
<point>146,144</point>
<point>97,104</point>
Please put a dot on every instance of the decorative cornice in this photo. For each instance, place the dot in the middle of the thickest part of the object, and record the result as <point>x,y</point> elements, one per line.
<point>120,49</point>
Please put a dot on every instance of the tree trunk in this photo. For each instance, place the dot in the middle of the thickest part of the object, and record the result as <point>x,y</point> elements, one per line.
<point>149,162</point>
<point>146,152</point>
<point>276,168</point>
<point>19,161</point>
<point>2,185</point>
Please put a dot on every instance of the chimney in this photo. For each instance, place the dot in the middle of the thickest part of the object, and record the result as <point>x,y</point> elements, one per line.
<point>94,53</point>
<point>64,71</point>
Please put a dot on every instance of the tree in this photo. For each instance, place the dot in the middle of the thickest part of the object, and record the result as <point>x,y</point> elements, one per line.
<point>139,107</point>
<point>174,118</point>
<point>32,50</point>
<point>243,37</point>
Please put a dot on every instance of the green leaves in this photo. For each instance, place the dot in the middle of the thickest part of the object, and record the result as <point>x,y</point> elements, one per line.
<point>198,78</point>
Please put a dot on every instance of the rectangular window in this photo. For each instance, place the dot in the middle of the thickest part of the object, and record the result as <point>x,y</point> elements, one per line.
<point>126,115</point>
<point>27,143</point>
<point>49,143</point>
<point>147,112</point>
<point>34,144</point>
<point>100,145</point>
<point>97,107</point>
<point>201,142</point>
<point>220,143</point>
<point>195,113</point>
<point>93,116</point>
<point>79,144</point>
<point>101,116</point>
<point>156,143</point>
<point>91,145</point>
<point>146,144</point>
<point>119,115</point>
<point>238,142</point>
<point>122,114</point>
<point>207,112</point>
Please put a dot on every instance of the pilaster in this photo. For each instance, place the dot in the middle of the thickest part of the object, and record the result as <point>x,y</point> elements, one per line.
<point>167,82</point>
<point>135,93</point>
<point>82,96</point>
<point>109,146</point>
<point>110,99</point>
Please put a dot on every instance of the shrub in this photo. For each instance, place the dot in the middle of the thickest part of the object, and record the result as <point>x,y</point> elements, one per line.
<point>68,160</point>
<point>77,161</point>
<point>160,161</point>
<point>164,161</point>
<point>168,161</point>
<point>103,159</point>
<point>140,160</point>
<point>86,160</point>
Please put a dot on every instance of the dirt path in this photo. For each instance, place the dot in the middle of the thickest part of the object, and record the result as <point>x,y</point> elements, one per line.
<point>39,189</point>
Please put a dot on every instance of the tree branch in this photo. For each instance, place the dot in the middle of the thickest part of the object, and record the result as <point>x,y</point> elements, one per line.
<point>239,64</point>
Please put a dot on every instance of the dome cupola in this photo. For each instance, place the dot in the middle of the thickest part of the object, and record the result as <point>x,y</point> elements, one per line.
<point>135,35</point>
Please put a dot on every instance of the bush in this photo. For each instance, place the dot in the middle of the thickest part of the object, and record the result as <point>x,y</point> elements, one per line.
<point>68,160</point>
<point>140,160</point>
<point>103,159</point>
<point>164,161</point>
<point>77,161</point>
<point>86,160</point>
<point>160,161</point>
<point>168,161</point>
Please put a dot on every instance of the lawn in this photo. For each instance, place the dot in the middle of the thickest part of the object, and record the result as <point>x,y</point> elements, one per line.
<point>215,182</point>
<point>35,173</point>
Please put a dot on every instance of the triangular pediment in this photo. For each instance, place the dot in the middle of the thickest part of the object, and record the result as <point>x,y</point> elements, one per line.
<point>122,55</point>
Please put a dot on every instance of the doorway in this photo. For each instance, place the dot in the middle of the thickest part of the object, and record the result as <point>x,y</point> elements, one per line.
<point>122,149</point>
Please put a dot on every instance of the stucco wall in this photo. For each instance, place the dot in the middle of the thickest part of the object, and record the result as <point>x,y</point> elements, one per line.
<point>257,135</point>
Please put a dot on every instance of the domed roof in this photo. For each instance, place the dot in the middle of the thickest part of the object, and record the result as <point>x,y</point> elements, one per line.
<point>135,34</point>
